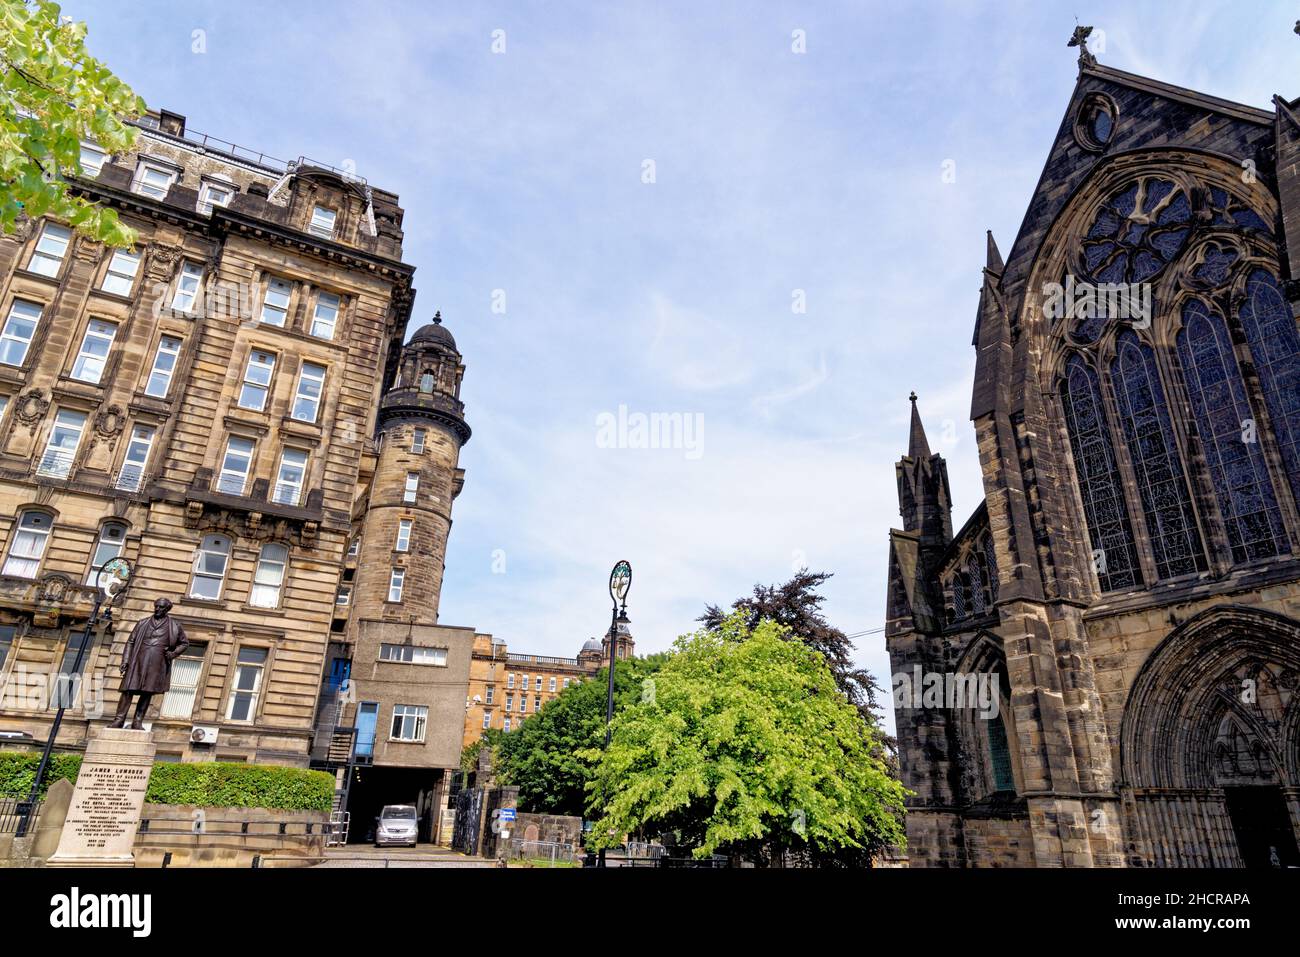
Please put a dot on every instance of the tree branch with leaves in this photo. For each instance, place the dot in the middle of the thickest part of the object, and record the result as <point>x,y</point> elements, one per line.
<point>56,95</point>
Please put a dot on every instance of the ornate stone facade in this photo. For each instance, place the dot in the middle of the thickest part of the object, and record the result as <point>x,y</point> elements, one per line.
<point>1129,589</point>
<point>204,406</point>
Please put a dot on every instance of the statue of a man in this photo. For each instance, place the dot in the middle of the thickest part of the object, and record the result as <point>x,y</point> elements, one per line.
<point>147,662</point>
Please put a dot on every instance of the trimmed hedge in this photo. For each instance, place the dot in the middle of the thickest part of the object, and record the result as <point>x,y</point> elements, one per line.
<point>241,785</point>
<point>18,771</point>
<point>207,785</point>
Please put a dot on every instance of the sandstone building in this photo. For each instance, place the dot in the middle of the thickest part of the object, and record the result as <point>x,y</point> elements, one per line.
<point>1131,582</point>
<point>229,406</point>
<point>506,688</point>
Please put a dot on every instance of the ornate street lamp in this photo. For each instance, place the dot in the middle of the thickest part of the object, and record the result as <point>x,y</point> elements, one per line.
<point>620,583</point>
<point>111,583</point>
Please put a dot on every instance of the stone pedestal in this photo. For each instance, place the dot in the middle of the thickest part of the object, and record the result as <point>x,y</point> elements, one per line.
<point>105,811</point>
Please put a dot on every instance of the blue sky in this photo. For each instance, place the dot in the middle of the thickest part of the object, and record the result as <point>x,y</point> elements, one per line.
<point>523,171</point>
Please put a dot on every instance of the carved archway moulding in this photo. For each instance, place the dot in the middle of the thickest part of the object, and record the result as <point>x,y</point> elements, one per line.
<point>1230,665</point>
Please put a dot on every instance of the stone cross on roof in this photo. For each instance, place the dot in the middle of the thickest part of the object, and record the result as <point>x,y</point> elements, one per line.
<point>1080,39</point>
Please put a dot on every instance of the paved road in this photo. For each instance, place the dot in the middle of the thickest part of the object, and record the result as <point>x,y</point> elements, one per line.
<point>363,855</point>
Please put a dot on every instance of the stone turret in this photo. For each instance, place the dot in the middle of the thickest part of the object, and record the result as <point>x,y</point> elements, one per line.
<point>420,431</point>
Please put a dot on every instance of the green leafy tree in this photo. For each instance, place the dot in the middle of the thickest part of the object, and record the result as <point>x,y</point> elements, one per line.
<point>549,756</point>
<point>747,747</point>
<point>56,95</point>
<point>798,607</point>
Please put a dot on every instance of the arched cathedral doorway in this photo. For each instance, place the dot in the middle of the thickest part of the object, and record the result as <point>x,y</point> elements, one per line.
<point>1210,745</point>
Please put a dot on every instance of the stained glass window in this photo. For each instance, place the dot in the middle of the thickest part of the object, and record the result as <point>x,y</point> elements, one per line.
<point>1000,756</point>
<point>1113,551</point>
<point>991,560</point>
<point>1134,235</point>
<point>1231,212</point>
<point>1215,264</point>
<point>1275,346</point>
<point>978,595</point>
<point>1166,504</point>
<point>1226,425</point>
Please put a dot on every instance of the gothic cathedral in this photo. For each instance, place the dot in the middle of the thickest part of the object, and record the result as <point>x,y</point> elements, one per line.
<point>1129,589</point>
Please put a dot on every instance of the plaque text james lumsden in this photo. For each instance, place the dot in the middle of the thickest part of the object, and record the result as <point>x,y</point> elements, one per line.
<point>105,811</point>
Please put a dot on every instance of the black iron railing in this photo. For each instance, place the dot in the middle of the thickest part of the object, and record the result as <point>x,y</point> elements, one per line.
<point>12,811</point>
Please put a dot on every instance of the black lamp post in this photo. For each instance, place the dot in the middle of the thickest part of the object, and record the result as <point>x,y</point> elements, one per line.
<point>110,583</point>
<point>620,583</point>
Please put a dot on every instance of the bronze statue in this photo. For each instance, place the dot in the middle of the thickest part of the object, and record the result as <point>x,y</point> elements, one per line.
<point>147,662</point>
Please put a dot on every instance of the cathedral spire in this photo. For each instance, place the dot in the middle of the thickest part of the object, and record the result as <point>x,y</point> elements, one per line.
<point>918,447</point>
<point>993,258</point>
<point>924,501</point>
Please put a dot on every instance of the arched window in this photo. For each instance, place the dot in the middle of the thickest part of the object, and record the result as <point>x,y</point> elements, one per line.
<point>1166,504</point>
<point>1000,755</point>
<point>1226,426</point>
<point>967,600</point>
<point>978,596</point>
<point>991,563</point>
<point>1275,347</point>
<point>958,598</point>
<point>109,545</point>
<point>1114,554</point>
<point>27,548</point>
<point>268,579</point>
<point>210,567</point>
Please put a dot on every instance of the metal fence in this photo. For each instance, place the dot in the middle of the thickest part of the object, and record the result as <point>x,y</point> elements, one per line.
<point>646,850</point>
<point>542,853</point>
<point>10,816</point>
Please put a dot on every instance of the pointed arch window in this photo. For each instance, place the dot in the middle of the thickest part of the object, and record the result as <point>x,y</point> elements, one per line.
<point>1113,551</point>
<point>1222,412</point>
<point>978,594</point>
<point>1148,433</point>
<point>1275,348</point>
<point>991,563</point>
<point>1000,756</point>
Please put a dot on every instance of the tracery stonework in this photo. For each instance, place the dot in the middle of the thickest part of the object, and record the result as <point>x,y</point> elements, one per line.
<point>1131,582</point>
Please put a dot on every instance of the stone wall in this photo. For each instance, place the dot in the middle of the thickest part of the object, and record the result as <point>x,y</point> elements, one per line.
<point>550,828</point>
<point>230,837</point>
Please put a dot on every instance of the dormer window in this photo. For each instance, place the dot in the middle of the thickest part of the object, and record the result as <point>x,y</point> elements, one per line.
<point>215,193</point>
<point>322,222</point>
<point>92,160</point>
<point>153,180</point>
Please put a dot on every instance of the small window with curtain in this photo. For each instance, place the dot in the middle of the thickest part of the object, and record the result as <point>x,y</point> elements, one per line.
<point>268,578</point>
<point>27,547</point>
<point>186,670</point>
